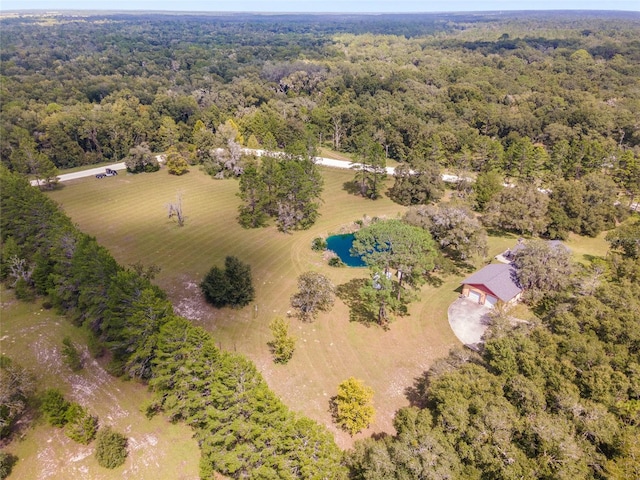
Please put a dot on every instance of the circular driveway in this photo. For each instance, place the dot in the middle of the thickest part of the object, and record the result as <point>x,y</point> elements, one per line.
<point>469,320</point>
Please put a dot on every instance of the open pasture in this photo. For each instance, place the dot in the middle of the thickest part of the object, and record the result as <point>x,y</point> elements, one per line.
<point>127,214</point>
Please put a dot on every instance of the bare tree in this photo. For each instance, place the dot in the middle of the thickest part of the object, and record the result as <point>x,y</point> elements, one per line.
<point>175,209</point>
<point>19,270</point>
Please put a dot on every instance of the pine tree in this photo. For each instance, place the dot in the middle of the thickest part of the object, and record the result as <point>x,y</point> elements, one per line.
<point>81,426</point>
<point>253,212</point>
<point>111,448</point>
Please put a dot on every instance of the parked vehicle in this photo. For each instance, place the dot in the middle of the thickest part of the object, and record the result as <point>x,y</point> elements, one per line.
<point>107,173</point>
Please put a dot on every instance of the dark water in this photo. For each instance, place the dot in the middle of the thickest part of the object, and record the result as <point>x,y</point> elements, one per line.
<point>341,244</point>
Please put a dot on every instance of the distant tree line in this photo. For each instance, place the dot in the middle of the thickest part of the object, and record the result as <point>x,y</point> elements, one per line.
<point>546,99</point>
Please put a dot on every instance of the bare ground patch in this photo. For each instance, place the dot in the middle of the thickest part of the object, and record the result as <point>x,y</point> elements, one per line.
<point>157,449</point>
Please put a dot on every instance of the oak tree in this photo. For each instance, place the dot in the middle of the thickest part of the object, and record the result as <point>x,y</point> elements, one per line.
<point>316,293</point>
<point>454,227</point>
<point>389,245</point>
<point>542,267</point>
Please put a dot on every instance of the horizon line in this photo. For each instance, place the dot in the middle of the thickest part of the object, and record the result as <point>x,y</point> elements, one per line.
<point>283,12</point>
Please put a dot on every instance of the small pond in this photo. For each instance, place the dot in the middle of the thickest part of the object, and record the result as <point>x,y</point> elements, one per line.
<point>341,244</point>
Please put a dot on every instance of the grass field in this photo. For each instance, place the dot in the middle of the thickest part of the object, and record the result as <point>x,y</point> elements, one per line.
<point>127,214</point>
<point>583,249</point>
<point>33,337</point>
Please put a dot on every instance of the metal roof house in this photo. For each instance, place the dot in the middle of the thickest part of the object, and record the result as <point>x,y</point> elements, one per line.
<point>493,283</point>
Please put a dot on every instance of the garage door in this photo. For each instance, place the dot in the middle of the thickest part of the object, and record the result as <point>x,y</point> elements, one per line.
<point>491,301</point>
<point>475,296</point>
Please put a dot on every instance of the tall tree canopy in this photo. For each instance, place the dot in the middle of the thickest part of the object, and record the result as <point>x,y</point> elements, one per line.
<point>395,245</point>
<point>454,227</point>
<point>287,189</point>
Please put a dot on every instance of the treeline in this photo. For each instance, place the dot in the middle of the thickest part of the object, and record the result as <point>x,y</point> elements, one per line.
<point>559,398</point>
<point>243,429</point>
<point>532,97</point>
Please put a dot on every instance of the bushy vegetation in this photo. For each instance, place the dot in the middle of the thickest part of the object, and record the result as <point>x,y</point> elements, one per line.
<point>54,407</point>
<point>336,262</point>
<point>71,355</point>
<point>78,424</point>
<point>7,461</point>
<point>319,244</point>
<point>176,163</point>
<point>16,387</point>
<point>111,448</point>
<point>352,406</point>
<point>140,159</point>
<point>283,344</point>
<point>232,286</point>
<point>81,426</point>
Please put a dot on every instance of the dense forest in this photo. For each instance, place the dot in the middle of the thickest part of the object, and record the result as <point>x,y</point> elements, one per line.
<point>536,97</point>
<point>547,103</point>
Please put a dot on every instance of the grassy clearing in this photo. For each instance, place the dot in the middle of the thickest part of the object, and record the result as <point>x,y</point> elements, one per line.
<point>33,337</point>
<point>328,153</point>
<point>128,216</point>
<point>583,249</point>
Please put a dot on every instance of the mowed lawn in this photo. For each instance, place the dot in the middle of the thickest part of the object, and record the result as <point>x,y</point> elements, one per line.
<point>32,337</point>
<point>128,215</point>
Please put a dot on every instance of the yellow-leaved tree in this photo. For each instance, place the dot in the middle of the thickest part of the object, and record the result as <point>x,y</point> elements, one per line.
<point>352,407</point>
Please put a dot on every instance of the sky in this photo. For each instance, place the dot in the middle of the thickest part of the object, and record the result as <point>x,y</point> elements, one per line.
<point>338,6</point>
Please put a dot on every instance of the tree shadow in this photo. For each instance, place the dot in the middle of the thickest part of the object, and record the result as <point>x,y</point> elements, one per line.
<point>494,232</point>
<point>54,188</point>
<point>433,280</point>
<point>417,393</point>
<point>592,258</point>
<point>351,187</point>
<point>349,293</point>
<point>462,266</point>
<point>379,435</point>
<point>333,407</point>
